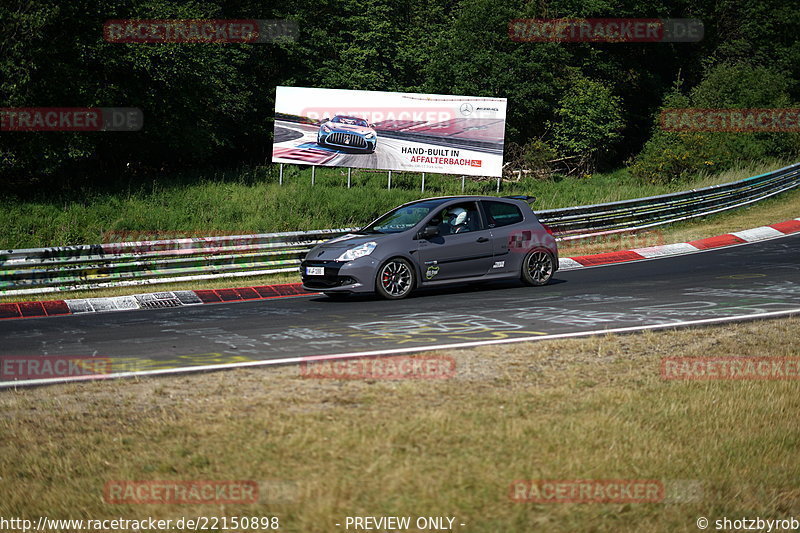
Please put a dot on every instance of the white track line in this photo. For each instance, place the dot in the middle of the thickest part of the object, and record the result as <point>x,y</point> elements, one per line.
<point>396,351</point>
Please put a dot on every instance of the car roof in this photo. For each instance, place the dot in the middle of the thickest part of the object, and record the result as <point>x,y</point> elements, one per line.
<point>443,199</point>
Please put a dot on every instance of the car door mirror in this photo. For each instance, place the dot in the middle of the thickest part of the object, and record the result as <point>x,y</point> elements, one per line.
<point>429,232</point>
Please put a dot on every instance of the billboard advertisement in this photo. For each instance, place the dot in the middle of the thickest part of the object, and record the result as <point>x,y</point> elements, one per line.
<point>389,131</point>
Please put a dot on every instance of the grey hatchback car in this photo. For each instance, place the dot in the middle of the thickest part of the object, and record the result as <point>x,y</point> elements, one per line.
<point>435,241</point>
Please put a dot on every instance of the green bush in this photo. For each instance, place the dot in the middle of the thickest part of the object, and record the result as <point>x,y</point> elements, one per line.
<point>588,122</point>
<point>669,156</point>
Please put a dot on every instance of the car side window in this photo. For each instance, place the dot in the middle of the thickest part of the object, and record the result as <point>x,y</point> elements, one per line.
<point>502,214</point>
<point>459,218</point>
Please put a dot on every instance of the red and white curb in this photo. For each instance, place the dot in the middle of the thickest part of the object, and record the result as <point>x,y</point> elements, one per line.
<point>198,297</point>
<point>154,300</point>
<point>720,241</point>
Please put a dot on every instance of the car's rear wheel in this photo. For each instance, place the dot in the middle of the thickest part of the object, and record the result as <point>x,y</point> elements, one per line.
<point>537,268</point>
<point>395,279</point>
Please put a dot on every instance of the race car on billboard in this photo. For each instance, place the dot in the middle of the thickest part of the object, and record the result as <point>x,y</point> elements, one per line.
<point>347,132</point>
<point>432,242</point>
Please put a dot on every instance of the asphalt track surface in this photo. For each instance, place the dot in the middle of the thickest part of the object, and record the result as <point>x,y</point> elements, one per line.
<point>743,280</point>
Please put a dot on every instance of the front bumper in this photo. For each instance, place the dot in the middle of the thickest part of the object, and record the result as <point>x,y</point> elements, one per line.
<point>339,276</point>
<point>352,141</point>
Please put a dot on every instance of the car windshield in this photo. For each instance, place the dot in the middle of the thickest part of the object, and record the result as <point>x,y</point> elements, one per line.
<point>350,121</point>
<point>401,219</point>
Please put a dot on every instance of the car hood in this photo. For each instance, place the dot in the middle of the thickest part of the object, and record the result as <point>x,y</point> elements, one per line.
<point>348,127</point>
<point>333,248</point>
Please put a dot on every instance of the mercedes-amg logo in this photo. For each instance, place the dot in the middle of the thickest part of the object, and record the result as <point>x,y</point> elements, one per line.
<point>466,109</point>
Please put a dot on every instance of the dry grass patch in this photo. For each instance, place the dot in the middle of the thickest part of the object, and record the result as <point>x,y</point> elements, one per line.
<point>592,408</point>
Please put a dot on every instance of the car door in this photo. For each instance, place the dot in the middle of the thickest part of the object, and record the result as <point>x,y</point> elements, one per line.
<point>504,220</point>
<point>460,250</point>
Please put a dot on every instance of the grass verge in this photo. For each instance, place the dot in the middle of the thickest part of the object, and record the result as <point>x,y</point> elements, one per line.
<point>778,209</point>
<point>251,201</point>
<point>592,408</point>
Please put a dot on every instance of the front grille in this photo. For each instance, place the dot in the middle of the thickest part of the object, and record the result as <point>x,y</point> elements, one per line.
<point>341,139</point>
<point>327,282</point>
<point>331,278</point>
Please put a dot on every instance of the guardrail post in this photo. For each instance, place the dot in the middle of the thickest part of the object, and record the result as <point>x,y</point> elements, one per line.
<point>463,183</point>
<point>389,185</point>
<point>423,182</point>
<point>349,176</point>
<point>280,175</point>
<point>313,174</point>
<point>498,184</point>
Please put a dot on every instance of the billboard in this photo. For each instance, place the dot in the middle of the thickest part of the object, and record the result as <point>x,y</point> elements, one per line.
<point>389,131</point>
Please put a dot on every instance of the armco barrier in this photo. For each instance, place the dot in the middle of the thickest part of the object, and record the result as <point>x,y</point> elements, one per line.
<point>44,270</point>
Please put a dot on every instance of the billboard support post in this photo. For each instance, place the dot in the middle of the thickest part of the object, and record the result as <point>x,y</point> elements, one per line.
<point>463,183</point>
<point>389,184</point>
<point>349,176</point>
<point>498,184</point>
<point>313,176</point>
<point>423,182</point>
<point>280,175</point>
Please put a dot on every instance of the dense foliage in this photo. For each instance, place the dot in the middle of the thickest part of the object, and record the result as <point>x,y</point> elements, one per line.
<point>211,104</point>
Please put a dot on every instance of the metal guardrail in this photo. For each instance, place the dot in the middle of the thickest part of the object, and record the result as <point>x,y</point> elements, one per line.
<point>668,208</point>
<point>62,268</point>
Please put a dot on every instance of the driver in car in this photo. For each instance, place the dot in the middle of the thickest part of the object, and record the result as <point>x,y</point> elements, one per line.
<point>456,219</point>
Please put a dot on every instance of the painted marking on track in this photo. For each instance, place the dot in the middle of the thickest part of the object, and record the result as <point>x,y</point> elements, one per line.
<point>667,249</point>
<point>743,276</point>
<point>414,349</point>
<point>567,263</point>
<point>758,234</point>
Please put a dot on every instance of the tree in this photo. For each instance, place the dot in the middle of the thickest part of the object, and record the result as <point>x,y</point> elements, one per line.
<point>588,123</point>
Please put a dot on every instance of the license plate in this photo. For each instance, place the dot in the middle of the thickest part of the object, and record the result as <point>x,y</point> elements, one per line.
<point>315,271</point>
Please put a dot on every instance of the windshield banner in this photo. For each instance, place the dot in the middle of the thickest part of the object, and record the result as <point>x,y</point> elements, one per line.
<point>389,131</point>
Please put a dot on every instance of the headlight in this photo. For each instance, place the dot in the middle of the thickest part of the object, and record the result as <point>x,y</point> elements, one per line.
<point>326,129</point>
<point>359,251</point>
<point>370,135</point>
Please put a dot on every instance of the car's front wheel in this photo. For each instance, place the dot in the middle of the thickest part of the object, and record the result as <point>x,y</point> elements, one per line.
<point>395,279</point>
<point>537,268</point>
